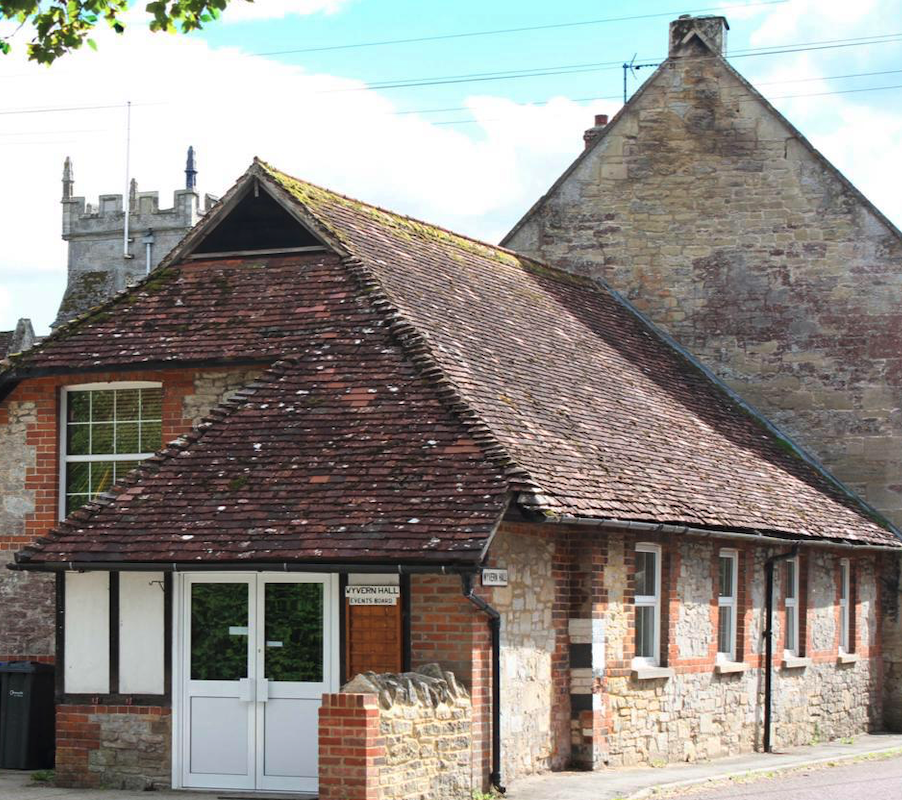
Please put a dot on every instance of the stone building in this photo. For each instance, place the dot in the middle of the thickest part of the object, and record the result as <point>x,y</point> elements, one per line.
<point>101,262</point>
<point>714,216</point>
<point>393,439</point>
<point>18,339</point>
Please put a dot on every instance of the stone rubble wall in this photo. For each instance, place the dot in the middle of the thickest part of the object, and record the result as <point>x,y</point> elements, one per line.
<point>397,737</point>
<point>114,747</point>
<point>528,642</point>
<point>26,600</point>
<point>213,388</point>
<point>698,713</point>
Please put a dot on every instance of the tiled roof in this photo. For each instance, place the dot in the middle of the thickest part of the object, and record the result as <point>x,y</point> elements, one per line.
<point>591,413</point>
<point>6,338</point>
<point>196,311</point>
<point>340,452</point>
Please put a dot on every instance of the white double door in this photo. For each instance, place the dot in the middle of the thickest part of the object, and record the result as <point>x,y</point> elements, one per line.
<point>258,652</point>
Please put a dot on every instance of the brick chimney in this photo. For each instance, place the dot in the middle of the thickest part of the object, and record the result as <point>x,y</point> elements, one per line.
<point>712,29</point>
<point>593,133</point>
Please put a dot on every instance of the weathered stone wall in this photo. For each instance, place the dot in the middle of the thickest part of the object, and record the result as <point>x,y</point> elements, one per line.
<point>213,388</point>
<point>410,733</point>
<point>698,712</point>
<point>113,747</point>
<point>29,484</point>
<point>719,222</point>
<point>26,601</point>
<point>528,643</point>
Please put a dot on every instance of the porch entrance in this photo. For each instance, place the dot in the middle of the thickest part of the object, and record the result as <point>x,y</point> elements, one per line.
<point>257,653</point>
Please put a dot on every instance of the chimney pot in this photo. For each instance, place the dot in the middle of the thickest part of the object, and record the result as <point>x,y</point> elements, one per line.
<point>592,133</point>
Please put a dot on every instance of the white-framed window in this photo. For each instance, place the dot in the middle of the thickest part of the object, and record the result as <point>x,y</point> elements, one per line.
<point>727,582</point>
<point>648,605</point>
<point>107,430</point>
<point>845,606</point>
<point>791,604</point>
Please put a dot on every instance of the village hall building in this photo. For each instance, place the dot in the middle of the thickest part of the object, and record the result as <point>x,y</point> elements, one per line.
<point>559,508</point>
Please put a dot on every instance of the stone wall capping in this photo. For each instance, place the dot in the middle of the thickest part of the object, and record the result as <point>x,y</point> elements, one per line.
<point>730,667</point>
<point>847,658</point>
<point>652,673</point>
<point>795,662</point>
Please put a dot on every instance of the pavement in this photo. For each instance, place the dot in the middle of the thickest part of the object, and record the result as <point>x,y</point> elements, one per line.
<point>865,780</point>
<point>620,784</point>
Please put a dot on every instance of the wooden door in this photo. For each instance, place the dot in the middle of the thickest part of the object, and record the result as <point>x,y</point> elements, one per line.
<point>373,639</point>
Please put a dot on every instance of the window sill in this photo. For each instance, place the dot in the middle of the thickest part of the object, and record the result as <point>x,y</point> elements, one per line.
<point>652,673</point>
<point>847,658</point>
<point>795,662</point>
<point>730,667</point>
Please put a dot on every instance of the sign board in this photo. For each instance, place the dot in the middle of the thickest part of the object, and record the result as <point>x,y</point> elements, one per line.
<point>373,595</point>
<point>494,577</point>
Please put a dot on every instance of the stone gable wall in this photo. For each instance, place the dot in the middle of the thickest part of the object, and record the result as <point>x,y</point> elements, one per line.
<point>714,219</point>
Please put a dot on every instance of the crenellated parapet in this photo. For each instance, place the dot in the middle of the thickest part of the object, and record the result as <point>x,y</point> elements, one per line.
<point>101,261</point>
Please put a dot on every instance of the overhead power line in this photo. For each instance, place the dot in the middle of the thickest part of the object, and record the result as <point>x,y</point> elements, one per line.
<point>523,29</point>
<point>602,66</point>
<point>476,120</point>
<point>617,96</point>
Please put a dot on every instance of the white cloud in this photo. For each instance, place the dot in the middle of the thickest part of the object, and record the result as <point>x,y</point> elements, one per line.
<point>244,10</point>
<point>231,106</point>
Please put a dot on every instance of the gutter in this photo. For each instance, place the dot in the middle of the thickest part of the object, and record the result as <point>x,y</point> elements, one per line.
<point>466,580</point>
<point>250,566</point>
<point>760,538</point>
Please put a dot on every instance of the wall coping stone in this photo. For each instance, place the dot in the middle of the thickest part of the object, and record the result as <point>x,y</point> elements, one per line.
<point>429,685</point>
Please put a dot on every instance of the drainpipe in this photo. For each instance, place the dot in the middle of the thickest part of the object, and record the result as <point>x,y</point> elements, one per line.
<point>769,638</point>
<point>466,580</point>
<point>148,249</point>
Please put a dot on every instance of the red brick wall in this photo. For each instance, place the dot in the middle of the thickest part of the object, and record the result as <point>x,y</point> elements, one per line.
<point>351,747</point>
<point>26,624</point>
<point>448,629</point>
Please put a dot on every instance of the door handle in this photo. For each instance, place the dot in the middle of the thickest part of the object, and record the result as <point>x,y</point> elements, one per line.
<point>262,690</point>
<point>245,690</point>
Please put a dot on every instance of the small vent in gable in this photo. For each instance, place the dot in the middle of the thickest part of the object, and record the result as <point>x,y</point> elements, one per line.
<point>257,223</point>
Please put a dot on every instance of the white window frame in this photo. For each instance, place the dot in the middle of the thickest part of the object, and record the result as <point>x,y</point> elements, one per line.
<point>653,601</point>
<point>791,606</point>
<point>63,418</point>
<point>728,602</point>
<point>845,605</point>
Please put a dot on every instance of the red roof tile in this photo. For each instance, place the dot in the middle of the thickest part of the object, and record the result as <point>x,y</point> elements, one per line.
<point>341,452</point>
<point>592,414</point>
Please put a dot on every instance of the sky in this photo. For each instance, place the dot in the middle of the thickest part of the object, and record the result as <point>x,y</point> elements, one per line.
<point>311,87</point>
